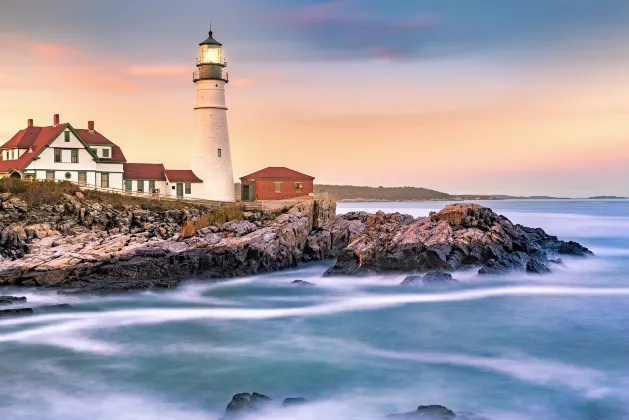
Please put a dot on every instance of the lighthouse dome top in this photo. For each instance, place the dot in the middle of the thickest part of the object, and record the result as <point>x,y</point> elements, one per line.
<point>210,40</point>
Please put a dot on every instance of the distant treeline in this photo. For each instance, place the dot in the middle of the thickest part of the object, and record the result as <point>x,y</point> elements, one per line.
<point>350,192</point>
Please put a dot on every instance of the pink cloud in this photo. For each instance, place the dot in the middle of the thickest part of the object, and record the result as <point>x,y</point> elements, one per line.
<point>50,49</point>
<point>158,70</point>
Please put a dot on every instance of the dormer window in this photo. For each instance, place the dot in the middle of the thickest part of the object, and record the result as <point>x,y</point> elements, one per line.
<point>105,153</point>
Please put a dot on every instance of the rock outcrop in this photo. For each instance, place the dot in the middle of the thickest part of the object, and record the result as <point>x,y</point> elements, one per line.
<point>430,279</point>
<point>106,250</point>
<point>246,405</point>
<point>459,235</point>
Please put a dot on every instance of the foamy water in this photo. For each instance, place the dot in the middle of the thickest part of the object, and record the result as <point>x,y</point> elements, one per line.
<point>510,348</point>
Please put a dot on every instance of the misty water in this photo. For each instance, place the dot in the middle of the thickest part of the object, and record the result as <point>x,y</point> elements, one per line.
<point>510,348</point>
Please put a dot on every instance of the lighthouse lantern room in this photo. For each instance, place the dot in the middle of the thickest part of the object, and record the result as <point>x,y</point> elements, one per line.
<point>211,154</point>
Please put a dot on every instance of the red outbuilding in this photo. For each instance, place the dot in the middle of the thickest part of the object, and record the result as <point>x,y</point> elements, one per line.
<point>276,183</point>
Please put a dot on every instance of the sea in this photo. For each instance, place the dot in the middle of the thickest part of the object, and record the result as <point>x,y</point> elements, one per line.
<point>515,347</point>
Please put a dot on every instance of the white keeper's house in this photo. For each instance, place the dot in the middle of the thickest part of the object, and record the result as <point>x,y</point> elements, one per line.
<point>86,157</point>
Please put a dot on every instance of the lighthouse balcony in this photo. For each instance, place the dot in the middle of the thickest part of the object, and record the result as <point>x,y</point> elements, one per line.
<point>205,75</point>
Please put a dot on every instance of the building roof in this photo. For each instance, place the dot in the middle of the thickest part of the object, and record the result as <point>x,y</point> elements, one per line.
<point>144,171</point>
<point>277,173</point>
<point>210,40</point>
<point>32,138</point>
<point>187,175</point>
<point>94,138</point>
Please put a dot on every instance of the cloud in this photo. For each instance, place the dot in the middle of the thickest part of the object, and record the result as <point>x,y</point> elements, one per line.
<point>158,70</point>
<point>340,30</point>
<point>50,49</point>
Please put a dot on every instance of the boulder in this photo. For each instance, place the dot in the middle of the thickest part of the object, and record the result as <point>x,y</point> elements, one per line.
<point>245,404</point>
<point>18,311</point>
<point>428,412</point>
<point>291,402</point>
<point>430,279</point>
<point>302,283</point>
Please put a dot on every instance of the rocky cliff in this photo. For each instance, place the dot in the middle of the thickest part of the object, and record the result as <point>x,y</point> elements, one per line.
<point>84,245</point>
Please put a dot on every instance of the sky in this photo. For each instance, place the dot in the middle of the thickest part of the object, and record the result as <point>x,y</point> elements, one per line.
<point>480,97</point>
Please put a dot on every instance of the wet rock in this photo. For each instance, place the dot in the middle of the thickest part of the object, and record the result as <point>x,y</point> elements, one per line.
<point>534,266</point>
<point>302,283</point>
<point>245,404</point>
<point>575,249</point>
<point>427,412</point>
<point>18,311</point>
<point>430,279</point>
<point>52,308</point>
<point>11,300</point>
<point>291,402</point>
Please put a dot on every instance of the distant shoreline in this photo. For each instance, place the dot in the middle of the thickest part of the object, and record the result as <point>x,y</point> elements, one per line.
<point>351,193</point>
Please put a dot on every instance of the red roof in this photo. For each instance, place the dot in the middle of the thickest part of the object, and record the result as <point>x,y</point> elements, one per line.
<point>35,138</point>
<point>182,176</point>
<point>94,138</point>
<point>277,173</point>
<point>144,171</point>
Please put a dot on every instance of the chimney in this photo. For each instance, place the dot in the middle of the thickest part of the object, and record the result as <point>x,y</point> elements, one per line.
<point>30,122</point>
<point>90,125</point>
<point>56,118</point>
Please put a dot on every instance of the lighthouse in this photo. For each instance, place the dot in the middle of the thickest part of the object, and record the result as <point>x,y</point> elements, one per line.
<point>211,155</point>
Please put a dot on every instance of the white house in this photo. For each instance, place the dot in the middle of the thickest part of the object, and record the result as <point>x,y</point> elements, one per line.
<point>86,157</point>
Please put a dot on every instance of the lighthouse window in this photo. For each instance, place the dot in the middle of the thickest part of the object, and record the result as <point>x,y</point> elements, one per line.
<point>220,153</point>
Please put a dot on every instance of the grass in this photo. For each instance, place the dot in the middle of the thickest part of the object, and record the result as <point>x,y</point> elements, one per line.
<point>215,217</point>
<point>36,193</point>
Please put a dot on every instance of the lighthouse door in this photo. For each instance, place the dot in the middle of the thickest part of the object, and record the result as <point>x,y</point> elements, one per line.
<point>179,190</point>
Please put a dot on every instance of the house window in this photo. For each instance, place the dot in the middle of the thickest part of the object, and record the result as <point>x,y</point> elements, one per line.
<point>220,153</point>
<point>57,155</point>
<point>95,151</point>
<point>151,186</point>
<point>74,156</point>
<point>128,185</point>
<point>68,175</point>
<point>82,179</point>
<point>278,187</point>
<point>105,153</point>
<point>189,187</point>
<point>50,175</point>
<point>67,136</point>
<point>104,180</point>
<point>299,187</point>
<point>140,186</point>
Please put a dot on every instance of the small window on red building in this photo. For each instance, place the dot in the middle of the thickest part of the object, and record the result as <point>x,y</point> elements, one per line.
<point>299,187</point>
<point>278,187</point>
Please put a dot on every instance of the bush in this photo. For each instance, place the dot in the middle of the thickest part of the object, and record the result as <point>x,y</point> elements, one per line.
<point>216,217</point>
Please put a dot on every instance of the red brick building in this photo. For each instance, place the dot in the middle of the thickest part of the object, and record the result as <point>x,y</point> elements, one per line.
<point>276,183</point>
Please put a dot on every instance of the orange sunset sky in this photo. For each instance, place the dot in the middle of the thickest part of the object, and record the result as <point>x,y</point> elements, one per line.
<point>494,98</point>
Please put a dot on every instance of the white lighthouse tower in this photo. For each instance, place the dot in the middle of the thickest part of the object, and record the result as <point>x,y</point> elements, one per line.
<point>211,156</point>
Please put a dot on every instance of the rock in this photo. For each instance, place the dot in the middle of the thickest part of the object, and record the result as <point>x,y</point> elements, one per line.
<point>438,277</point>
<point>412,281</point>
<point>575,249</point>
<point>302,283</point>
<point>51,308</point>
<point>11,300</point>
<point>459,236</point>
<point>14,204</point>
<point>534,266</point>
<point>427,412</point>
<point>13,312</point>
<point>291,402</point>
<point>244,404</point>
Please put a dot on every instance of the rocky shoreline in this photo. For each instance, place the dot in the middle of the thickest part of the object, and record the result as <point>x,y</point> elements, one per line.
<point>80,245</point>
